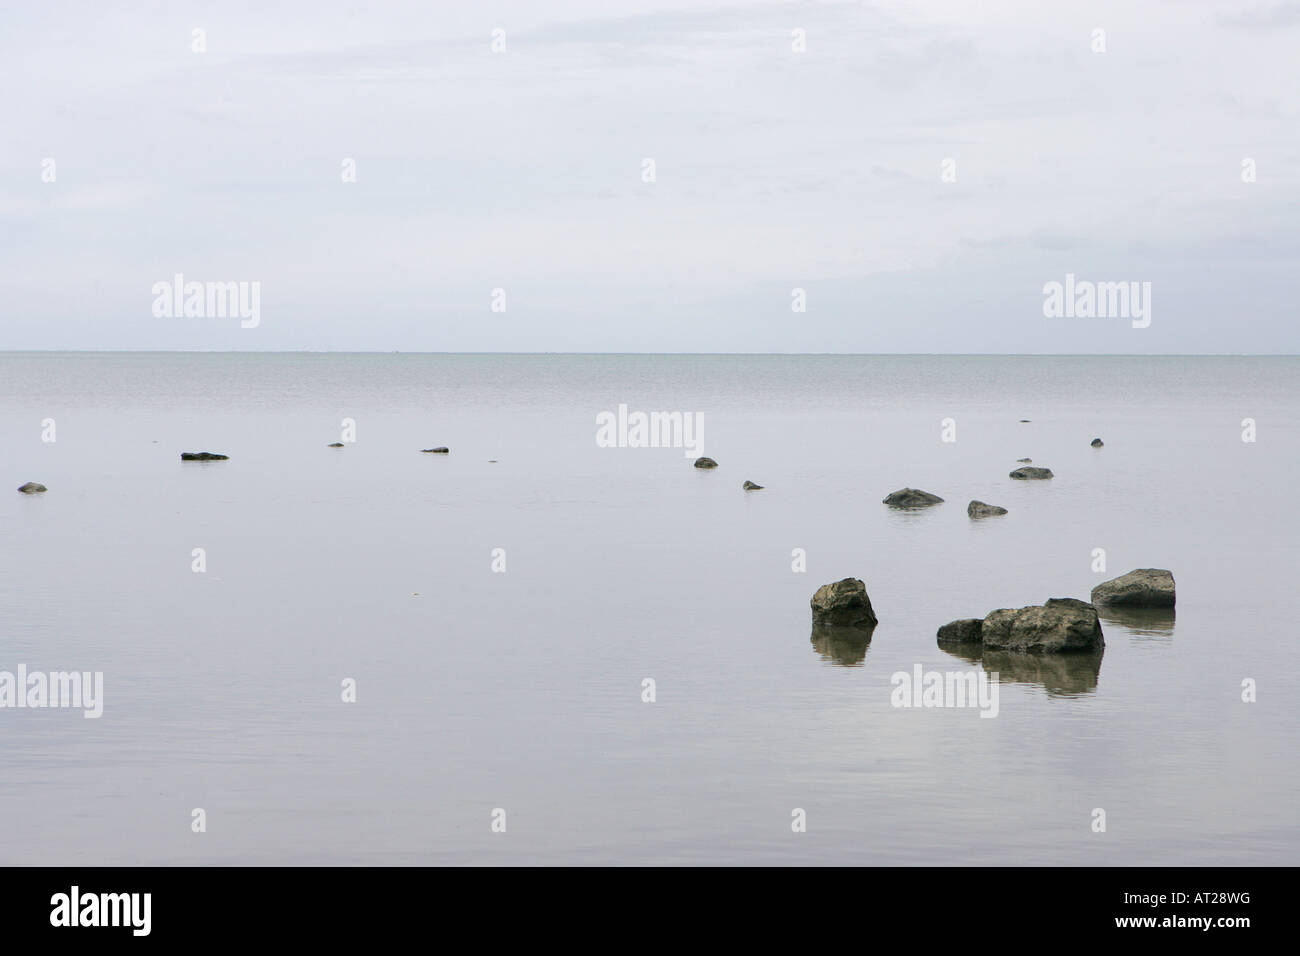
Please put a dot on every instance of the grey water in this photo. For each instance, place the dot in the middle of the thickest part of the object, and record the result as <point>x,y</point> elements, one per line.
<point>501,607</point>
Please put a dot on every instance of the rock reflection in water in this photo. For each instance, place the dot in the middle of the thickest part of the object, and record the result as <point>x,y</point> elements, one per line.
<point>1145,622</point>
<point>844,646</point>
<point>1061,675</point>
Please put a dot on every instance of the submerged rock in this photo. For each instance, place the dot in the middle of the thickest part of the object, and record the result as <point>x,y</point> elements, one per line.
<point>843,604</point>
<point>1026,474</point>
<point>1145,587</point>
<point>978,509</point>
<point>202,456</point>
<point>705,463</point>
<point>1061,625</point>
<point>911,498</point>
<point>968,630</point>
<point>32,488</point>
<point>1097,443</point>
<point>440,450</point>
<point>750,486</point>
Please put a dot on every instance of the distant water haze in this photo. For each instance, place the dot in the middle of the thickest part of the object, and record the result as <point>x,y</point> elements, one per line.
<point>501,607</point>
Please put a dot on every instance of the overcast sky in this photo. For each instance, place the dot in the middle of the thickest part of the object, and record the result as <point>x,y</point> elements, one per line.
<point>774,169</point>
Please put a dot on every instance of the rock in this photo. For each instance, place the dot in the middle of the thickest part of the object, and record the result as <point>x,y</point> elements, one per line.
<point>440,450</point>
<point>1146,587</point>
<point>336,444</point>
<point>32,488</point>
<point>1026,474</point>
<point>1061,625</point>
<point>202,456</point>
<point>978,509</point>
<point>1024,421</point>
<point>750,486</point>
<point>966,631</point>
<point>911,498</point>
<point>843,604</point>
<point>1097,443</point>
<point>705,463</point>
<point>1023,461</point>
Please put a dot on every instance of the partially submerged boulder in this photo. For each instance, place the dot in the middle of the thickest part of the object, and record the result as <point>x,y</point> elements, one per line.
<point>336,444</point>
<point>750,486</point>
<point>978,509</point>
<point>843,604</point>
<point>32,488</point>
<point>1097,443</point>
<point>968,630</point>
<point>1023,461</point>
<point>1059,626</point>
<point>440,450</point>
<point>911,498</point>
<point>1145,587</point>
<point>705,463</point>
<point>1028,474</point>
<point>202,456</point>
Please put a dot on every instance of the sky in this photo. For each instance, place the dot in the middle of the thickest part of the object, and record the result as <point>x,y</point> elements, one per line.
<point>919,170</point>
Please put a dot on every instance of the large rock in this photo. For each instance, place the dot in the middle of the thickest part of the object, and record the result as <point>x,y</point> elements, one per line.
<point>978,509</point>
<point>1059,626</point>
<point>1097,443</point>
<point>1025,474</point>
<point>911,498</point>
<point>843,604</point>
<point>1145,587</point>
<point>705,463</point>
<point>968,630</point>
<point>32,488</point>
<point>202,456</point>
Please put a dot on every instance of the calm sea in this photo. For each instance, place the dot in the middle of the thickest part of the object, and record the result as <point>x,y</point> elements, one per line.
<point>500,610</point>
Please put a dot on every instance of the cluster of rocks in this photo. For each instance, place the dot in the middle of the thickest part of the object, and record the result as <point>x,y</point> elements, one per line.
<point>1061,625</point>
<point>1058,626</point>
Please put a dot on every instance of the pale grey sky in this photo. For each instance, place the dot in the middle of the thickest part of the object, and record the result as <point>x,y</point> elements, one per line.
<point>775,169</point>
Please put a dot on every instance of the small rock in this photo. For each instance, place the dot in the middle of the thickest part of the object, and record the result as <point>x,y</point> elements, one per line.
<point>1061,625</point>
<point>336,444</point>
<point>440,450</point>
<point>1023,461</point>
<point>978,509</point>
<point>843,604</point>
<point>750,486</point>
<point>1026,474</point>
<point>32,488</point>
<point>1024,421</point>
<point>911,498</point>
<point>1097,443</point>
<point>1145,587</point>
<point>705,463</point>
<point>202,456</point>
<point>965,631</point>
